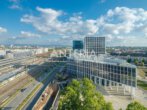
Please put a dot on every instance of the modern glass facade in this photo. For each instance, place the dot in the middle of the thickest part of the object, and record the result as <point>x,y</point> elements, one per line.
<point>102,69</point>
<point>94,44</point>
<point>77,44</point>
<point>110,71</point>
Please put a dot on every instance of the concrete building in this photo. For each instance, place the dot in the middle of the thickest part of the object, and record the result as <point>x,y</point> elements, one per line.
<point>94,44</point>
<point>2,53</point>
<point>40,50</point>
<point>18,53</point>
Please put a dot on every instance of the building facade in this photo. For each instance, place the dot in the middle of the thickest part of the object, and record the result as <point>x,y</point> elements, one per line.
<point>105,71</point>
<point>94,44</point>
<point>102,69</point>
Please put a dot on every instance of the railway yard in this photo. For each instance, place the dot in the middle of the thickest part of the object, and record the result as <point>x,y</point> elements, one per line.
<point>22,78</point>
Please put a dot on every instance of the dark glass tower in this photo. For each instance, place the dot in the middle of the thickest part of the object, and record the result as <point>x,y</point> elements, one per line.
<point>77,44</point>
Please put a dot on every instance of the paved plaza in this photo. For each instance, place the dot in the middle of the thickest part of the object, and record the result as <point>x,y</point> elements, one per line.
<point>120,101</point>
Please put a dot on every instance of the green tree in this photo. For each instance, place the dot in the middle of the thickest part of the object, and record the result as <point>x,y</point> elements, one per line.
<point>129,60</point>
<point>143,60</point>
<point>142,63</point>
<point>136,61</point>
<point>135,106</point>
<point>82,95</point>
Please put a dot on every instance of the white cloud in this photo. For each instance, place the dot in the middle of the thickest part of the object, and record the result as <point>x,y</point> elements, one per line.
<point>124,26</point>
<point>25,34</point>
<point>3,30</point>
<point>121,21</point>
<point>15,4</point>
<point>49,22</point>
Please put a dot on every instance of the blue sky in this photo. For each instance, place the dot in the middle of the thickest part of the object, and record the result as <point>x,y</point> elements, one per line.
<point>58,22</point>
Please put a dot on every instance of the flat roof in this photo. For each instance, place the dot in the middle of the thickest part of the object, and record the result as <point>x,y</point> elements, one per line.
<point>103,58</point>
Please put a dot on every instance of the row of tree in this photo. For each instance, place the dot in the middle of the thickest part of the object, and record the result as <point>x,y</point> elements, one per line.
<point>83,95</point>
<point>136,106</point>
<point>136,61</point>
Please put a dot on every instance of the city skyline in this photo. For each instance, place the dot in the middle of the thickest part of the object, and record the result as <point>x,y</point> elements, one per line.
<point>122,22</point>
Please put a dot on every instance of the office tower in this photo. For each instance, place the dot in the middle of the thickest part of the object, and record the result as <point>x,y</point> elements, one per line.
<point>77,44</point>
<point>94,44</point>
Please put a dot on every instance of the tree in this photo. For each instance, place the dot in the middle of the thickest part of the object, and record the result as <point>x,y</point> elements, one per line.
<point>135,106</point>
<point>143,60</point>
<point>129,60</point>
<point>136,61</point>
<point>82,95</point>
<point>142,63</point>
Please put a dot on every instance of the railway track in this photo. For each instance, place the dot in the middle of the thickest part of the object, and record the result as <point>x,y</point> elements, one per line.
<point>12,61</point>
<point>25,77</point>
<point>9,68</point>
<point>11,88</point>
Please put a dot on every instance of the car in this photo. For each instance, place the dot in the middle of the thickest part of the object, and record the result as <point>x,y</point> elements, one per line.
<point>22,90</point>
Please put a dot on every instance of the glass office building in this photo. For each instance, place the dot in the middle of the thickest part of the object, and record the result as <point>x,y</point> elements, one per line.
<point>103,70</point>
<point>77,44</point>
<point>94,44</point>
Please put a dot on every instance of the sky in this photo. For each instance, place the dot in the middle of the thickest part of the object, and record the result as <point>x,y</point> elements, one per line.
<point>58,22</point>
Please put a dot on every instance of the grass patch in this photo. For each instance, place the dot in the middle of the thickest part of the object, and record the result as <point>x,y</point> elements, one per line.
<point>141,72</point>
<point>142,84</point>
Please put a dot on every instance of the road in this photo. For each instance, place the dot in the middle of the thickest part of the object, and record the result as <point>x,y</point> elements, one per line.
<point>22,95</point>
<point>32,102</point>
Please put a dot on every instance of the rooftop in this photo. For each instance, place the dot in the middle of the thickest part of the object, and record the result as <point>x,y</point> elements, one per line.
<point>103,58</point>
